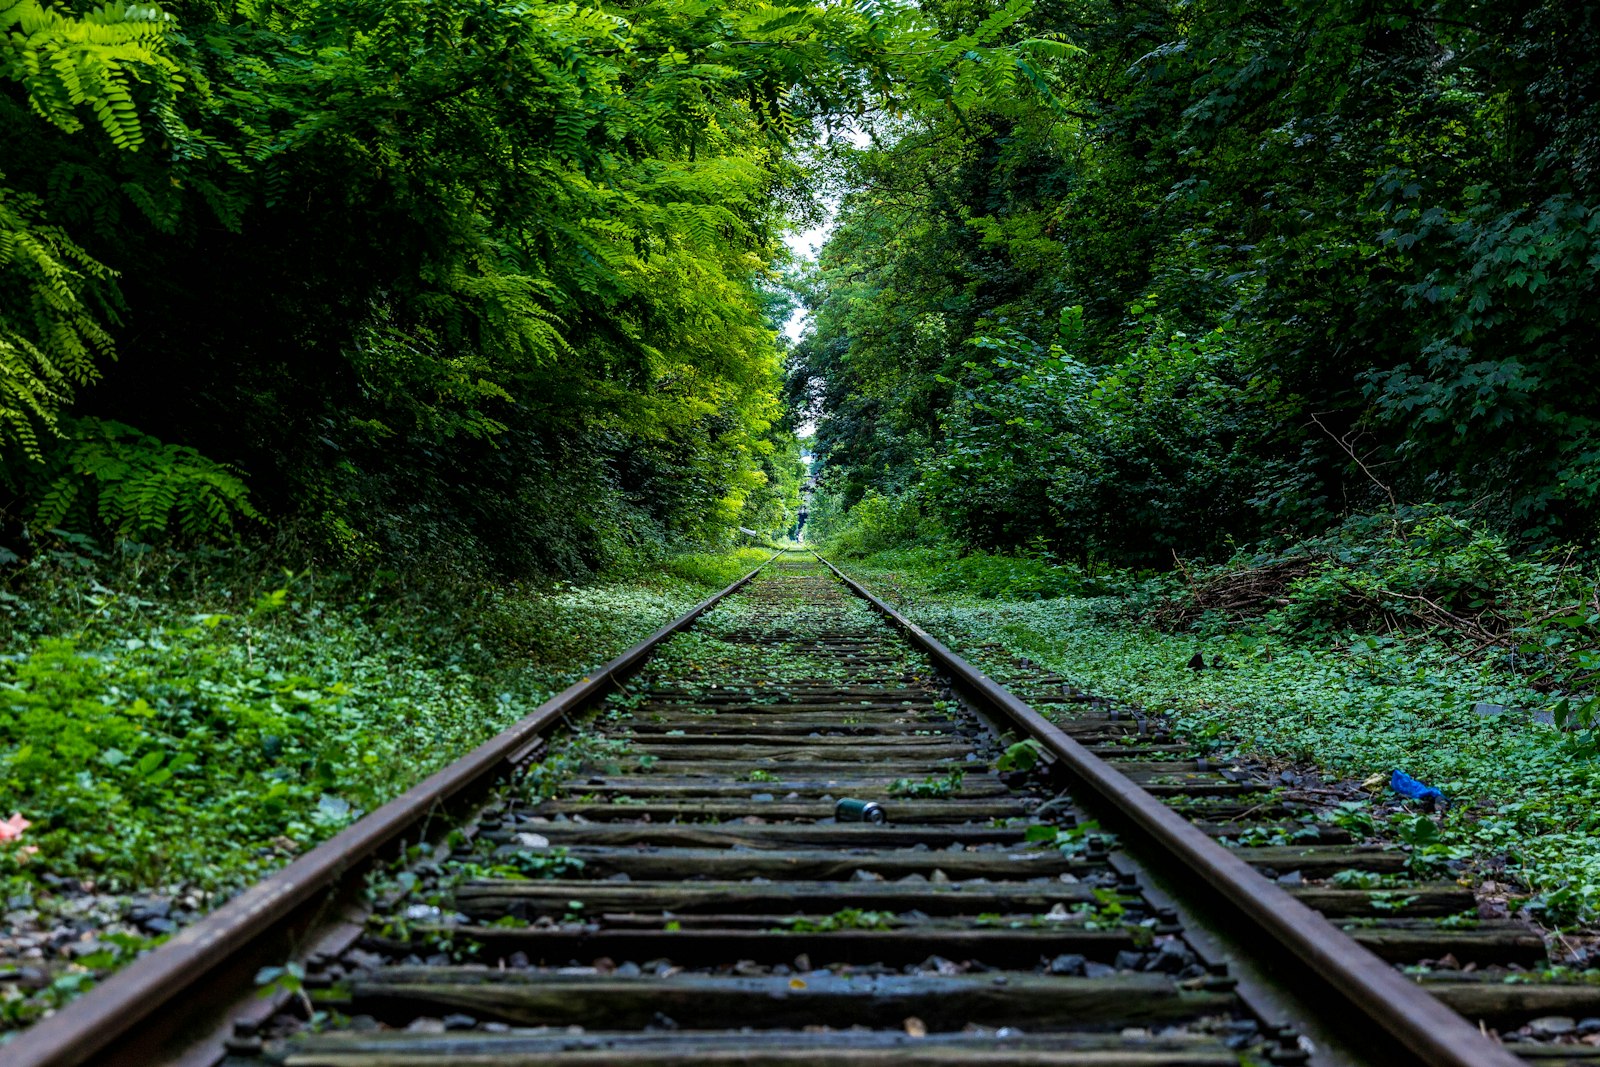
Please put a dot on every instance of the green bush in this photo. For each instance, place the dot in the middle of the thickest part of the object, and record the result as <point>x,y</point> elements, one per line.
<point>1419,568</point>
<point>241,721</point>
<point>875,523</point>
<point>715,569</point>
<point>1106,460</point>
<point>944,567</point>
<point>1418,565</point>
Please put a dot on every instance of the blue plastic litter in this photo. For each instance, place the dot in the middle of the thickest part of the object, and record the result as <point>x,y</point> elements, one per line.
<point>1407,786</point>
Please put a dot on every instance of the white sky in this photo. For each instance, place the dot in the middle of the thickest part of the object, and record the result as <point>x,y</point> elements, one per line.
<point>805,245</point>
<point>808,243</point>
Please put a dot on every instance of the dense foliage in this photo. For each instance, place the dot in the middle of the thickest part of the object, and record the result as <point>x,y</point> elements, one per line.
<point>426,272</point>
<point>1254,266</point>
<point>492,281</point>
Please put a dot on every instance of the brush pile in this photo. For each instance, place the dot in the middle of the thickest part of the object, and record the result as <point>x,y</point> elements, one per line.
<point>1244,592</point>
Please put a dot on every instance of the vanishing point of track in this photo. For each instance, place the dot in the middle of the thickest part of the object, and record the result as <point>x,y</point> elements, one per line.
<point>675,882</point>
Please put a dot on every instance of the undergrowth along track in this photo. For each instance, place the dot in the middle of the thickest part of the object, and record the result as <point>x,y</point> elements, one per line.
<point>671,886</point>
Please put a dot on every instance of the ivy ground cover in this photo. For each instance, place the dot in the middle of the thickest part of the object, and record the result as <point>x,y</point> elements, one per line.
<point>1360,706</point>
<point>173,728</point>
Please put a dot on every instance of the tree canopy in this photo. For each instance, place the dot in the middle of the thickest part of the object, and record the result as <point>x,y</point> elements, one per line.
<point>1250,267</point>
<point>505,279</point>
<point>429,273</point>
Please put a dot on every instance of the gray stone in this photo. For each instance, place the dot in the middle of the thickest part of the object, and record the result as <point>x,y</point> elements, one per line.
<point>142,911</point>
<point>1552,1026</point>
<point>1170,957</point>
<point>1068,963</point>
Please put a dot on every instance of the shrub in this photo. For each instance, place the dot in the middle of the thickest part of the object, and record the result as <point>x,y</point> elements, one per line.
<point>1123,460</point>
<point>111,478</point>
<point>1419,568</point>
<point>878,522</point>
<point>944,567</point>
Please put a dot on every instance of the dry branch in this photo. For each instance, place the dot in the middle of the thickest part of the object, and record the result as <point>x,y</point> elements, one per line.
<point>1238,594</point>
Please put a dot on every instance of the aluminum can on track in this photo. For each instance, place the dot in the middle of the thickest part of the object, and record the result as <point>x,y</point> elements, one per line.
<point>848,810</point>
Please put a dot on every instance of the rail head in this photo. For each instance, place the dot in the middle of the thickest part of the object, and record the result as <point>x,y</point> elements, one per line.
<point>1432,1032</point>
<point>179,968</point>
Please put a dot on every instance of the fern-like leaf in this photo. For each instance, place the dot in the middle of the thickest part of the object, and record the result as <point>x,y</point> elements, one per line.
<point>109,477</point>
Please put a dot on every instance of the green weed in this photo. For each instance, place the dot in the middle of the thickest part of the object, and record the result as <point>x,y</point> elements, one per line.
<point>847,919</point>
<point>929,788</point>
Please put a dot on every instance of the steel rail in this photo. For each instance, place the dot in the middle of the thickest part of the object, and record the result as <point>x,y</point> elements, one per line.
<point>1433,1032</point>
<point>119,1005</point>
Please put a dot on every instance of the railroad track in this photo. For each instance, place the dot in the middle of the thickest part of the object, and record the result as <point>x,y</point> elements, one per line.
<point>694,875</point>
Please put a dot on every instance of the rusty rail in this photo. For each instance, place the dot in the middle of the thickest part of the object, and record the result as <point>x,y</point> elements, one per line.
<point>184,966</point>
<point>1435,1034</point>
